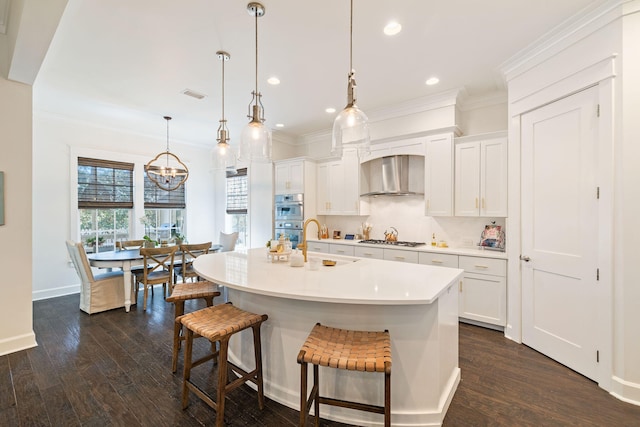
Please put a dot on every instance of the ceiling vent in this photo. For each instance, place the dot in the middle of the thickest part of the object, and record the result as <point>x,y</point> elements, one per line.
<point>193,94</point>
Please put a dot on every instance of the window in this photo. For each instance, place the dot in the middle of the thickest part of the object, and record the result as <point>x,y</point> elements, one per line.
<point>164,211</point>
<point>237,204</point>
<point>105,200</point>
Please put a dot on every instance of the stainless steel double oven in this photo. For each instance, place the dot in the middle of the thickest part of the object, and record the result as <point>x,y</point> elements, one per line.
<point>289,215</point>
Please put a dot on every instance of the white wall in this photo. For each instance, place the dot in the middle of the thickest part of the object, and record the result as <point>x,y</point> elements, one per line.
<point>16,311</point>
<point>56,143</point>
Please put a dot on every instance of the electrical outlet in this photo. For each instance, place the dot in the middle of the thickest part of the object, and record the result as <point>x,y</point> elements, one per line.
<point>467,242</point>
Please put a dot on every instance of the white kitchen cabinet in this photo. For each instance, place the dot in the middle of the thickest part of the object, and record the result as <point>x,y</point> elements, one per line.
<point>438,174</point>
<point>368,252</point>
<point>291,176</point>
<point>437,259</point>
<point>483,290</point>
<point>339,249</point>
<point>481,177</point>
<point>318,247</point>
<point>338,187</point>
<point>401,255</point>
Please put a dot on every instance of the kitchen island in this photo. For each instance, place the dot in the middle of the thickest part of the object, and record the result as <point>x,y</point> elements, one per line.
<point>418,304</point>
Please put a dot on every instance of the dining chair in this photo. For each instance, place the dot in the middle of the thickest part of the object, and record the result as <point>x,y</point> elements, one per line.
<point>99,292</point>
<point>129,244</point>
<point>189,252</point>
<point>228,241</point>
<point>157,270</point>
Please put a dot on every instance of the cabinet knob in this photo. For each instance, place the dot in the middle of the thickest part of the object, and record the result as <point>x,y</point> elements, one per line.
<point>525,258</point>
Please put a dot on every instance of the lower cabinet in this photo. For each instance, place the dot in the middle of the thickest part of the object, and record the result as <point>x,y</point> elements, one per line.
<point>400,255</point>
<point>318,247</point>
<point>483,290</point>
<point>368,252</point>
<point>339,249</point>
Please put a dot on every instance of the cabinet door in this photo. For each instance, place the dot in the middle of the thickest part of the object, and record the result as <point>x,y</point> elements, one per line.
<point>467,179</point>
<point>282,178</point>
<point>493,178</point>
<point>438,173</point>
<point>339,249</point>
<point>350,185</point>
<point>296,177</point>
<point>368,252</point>
<point>401,255</point>
<point>440,260</point>
<point>318,247</point>
<point>483,298</point>
<point>322,189</point>
<point>336,188</point>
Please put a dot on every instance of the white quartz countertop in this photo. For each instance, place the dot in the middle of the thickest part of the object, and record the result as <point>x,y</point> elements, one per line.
<point>351,281</point>
<point>469,251</point>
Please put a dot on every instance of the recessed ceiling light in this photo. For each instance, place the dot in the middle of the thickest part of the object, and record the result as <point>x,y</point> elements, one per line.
<point>330,110</point>
<point>279,125</point>
<point>392,28</point>
<point>432,81</point>
<point>193,94</point>
<point>273,81</point>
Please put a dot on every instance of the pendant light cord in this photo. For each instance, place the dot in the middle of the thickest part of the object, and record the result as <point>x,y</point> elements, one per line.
<point>351,41</point>
<point>256,18</point>
<point>223,59</point>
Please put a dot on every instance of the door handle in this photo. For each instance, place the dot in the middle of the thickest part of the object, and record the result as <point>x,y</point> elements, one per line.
<point>525,258</point>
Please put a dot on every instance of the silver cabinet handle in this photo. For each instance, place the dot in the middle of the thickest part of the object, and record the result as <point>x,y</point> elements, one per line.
<point>525,258</point>
<point>436,261</point>
<point>481,266</point>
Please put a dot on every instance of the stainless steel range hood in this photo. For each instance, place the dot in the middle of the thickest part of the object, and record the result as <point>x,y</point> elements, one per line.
<point>389,176</point>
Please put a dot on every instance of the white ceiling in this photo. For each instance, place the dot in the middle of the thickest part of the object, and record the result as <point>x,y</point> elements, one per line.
<point>127,62</point>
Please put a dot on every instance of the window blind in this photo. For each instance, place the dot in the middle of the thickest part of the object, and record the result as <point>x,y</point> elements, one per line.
<point>157,198</point>
<point>237,192</point>
<point>104,184</point>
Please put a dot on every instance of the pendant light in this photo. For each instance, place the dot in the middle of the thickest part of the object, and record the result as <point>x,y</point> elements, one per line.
<point>223,153</point>
<point>256,137</point>
<point>351,126</point>
<point>166,170</point>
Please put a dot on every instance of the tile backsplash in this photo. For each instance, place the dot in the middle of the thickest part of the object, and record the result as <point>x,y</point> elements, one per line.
<point>406,214</point>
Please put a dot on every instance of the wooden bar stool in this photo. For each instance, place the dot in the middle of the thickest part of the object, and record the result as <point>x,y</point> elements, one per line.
<point>218,323</point>
<point>181,293</point>
<point>344,349</point>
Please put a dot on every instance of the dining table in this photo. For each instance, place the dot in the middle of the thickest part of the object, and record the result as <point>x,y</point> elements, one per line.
<point>125,260</point>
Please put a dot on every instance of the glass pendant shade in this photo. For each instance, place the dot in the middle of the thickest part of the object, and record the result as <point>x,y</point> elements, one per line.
<point>350,130</point>
<point>256,142</point>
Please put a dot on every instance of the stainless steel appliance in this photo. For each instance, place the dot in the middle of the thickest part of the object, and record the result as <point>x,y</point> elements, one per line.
<point>391,242</point>
<point>289,214</point>
<point>289,207</point>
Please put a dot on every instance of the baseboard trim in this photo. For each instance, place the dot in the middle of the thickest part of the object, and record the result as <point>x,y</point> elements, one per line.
<point>17,343</point>
<point>625,390</point>
<point>55,292</point>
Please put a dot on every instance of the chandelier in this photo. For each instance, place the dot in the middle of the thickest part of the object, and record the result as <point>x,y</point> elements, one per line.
<point>223,153</point>
<point>166,170</point>
<point>255,143</point>
<point>351,126</point>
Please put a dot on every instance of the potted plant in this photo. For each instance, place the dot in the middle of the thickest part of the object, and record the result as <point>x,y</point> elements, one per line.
<point>179,238</point>
<point>149,242</point>
<point>91,241</point>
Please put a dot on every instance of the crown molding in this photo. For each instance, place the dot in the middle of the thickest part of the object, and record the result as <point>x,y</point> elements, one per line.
<point>583,23</point>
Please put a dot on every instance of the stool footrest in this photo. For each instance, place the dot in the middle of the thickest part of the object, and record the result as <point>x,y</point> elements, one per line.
<point>244,377</point>
<point>351,405</point>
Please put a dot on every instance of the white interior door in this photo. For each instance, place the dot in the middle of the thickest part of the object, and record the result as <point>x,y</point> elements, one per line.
<point>559,231</point>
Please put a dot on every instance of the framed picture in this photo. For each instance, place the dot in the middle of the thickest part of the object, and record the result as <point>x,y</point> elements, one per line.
<point>1,198</point>
<point>336,234</point>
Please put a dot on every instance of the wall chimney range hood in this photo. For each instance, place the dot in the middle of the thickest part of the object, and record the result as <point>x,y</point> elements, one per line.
<point>389,176</point>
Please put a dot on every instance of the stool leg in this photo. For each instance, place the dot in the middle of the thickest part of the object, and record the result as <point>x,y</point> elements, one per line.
<point>303,394</point>
<point>209,301</point>
<point>187,368</point>
<point>316,387</point>
<point>257,348</point>
<point>387,398</point>
<point>177,328</point>
<point>222,380</point>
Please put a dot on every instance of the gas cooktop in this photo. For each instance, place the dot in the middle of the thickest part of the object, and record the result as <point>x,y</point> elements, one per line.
<point>388,242</point>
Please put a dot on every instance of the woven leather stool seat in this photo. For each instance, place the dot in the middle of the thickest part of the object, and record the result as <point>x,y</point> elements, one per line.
<point>218,323</point>
<point>344,349</point>
<point>185,292</point>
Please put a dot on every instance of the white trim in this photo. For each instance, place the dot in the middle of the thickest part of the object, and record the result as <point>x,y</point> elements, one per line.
<point>625,390</point>
<point>17,343</point>
<point>55,292</point>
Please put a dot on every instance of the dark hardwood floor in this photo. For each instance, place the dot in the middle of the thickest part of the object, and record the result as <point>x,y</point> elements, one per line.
<point>113,368</point>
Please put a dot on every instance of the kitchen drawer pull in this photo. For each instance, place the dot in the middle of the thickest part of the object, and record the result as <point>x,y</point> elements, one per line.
<point>367,254</point>
<point>340,251</point>
<point>436,261</point>
<point>481,266</point>
<point>398,257</point>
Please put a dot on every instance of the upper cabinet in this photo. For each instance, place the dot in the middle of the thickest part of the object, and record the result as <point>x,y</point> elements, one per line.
<point>295,176</point>
<point>438,174</point>
<point>481,176</point>
<point>338,187</point>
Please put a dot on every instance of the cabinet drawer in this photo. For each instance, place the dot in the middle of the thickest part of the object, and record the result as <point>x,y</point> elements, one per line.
<point>442,260</point>
<point>400,255</point>
<point>470,264</point>
<point>318,247</point>
<point>366,252</point>
<point>338,249</point>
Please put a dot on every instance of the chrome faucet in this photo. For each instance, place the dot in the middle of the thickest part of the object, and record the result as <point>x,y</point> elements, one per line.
<point>304,236</point>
